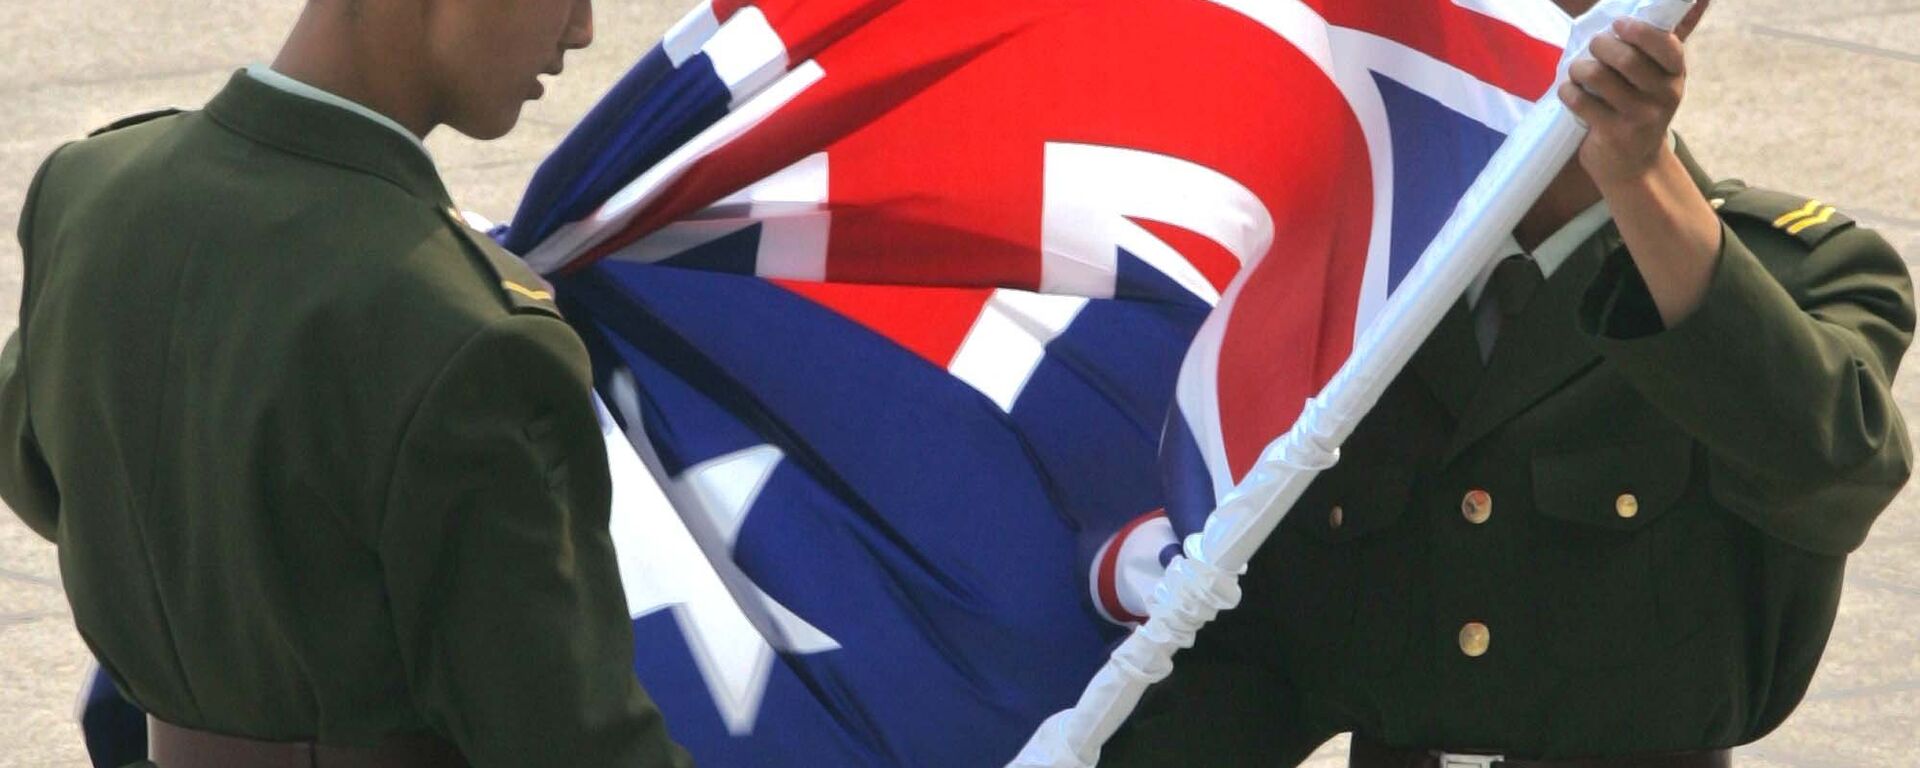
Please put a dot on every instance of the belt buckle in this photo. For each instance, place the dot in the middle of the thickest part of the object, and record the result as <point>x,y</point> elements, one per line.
<point>1456,760</point>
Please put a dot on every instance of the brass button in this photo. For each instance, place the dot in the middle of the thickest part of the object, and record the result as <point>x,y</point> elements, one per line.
<point>1336,517</point>
<point>1626,506</point>
<point>1477,506</point>
<point>1474,639</point>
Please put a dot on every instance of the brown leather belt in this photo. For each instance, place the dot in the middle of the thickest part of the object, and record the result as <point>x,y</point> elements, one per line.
<point>171,746</point>
<point>1371,754</point>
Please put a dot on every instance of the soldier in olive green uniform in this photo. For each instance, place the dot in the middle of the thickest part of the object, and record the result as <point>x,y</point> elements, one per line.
<point>1622,534</point>
<point>321,461</point>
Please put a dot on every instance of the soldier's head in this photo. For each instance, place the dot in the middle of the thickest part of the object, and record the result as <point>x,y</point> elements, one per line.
<point>468,64</point>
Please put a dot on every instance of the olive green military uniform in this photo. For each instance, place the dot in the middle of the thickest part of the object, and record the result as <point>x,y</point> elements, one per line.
<point>320,461</point>
<point>1613,538</point>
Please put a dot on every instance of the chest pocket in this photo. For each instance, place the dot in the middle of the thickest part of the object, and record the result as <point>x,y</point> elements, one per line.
<point>1349,504</point>
<point>1600,509</point>
<point>1332,570</point>
<point>1620,487</point>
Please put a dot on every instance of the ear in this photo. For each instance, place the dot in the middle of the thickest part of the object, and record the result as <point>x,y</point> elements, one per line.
<point>1692,20</point>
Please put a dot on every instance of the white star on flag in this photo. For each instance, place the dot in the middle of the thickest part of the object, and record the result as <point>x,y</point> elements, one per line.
<point>675,543</point>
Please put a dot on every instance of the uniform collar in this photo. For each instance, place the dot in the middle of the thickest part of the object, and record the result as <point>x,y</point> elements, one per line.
<point>269,76</point>
<point>1538,352</point>
<point>327,131</point>
<point>1554,250</point>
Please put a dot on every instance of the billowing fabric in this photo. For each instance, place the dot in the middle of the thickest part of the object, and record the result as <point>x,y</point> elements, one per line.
<point>894,301</point>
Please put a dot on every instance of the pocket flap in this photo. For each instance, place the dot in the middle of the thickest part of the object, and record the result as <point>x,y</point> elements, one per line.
<point>1621,486</point>
<point>1350,502</point>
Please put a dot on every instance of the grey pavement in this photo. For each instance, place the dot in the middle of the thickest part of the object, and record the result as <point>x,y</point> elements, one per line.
<point>1814,97</point>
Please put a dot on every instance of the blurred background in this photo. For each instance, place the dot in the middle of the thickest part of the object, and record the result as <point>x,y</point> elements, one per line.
<point>1820,98</point>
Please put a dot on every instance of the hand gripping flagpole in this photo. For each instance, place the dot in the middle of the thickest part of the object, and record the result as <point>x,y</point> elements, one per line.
<point>1206,581</point>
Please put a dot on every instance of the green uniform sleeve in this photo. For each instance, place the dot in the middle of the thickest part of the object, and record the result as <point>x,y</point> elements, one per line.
<point>25,481</point>
<point>1784,373</point>
<point>509,608</point>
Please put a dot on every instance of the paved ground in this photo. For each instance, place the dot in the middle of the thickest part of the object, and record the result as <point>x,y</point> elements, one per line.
<point>1786,93</point>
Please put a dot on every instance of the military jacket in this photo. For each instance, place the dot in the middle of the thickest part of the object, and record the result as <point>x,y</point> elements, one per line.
<point>320,461</point>
<point>1613,538</point>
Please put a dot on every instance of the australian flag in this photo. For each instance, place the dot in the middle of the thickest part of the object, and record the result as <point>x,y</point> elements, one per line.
<point>925,327</point>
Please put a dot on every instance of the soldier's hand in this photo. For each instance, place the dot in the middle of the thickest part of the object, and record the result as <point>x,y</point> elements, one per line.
<point>1627,91</point>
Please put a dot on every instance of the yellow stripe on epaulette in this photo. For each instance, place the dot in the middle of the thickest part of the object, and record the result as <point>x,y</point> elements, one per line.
<point>1791,216</point>
<point>1802,225</point>
<point>1811,221</point>
<point>527,292</point>
<point>523,290</point>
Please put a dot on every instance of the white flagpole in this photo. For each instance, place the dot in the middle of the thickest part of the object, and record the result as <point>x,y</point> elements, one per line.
<point>1206,581</point>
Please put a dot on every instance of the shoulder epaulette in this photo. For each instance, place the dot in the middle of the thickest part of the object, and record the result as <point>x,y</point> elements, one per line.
<point>523,290</point>
<point>1809,220</point>
<point>133,120</point>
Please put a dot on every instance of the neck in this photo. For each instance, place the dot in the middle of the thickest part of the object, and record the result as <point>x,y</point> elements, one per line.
<point>1570,193</point>
<point>365,52</point>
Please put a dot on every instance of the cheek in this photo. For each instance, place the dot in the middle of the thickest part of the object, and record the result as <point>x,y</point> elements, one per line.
<point>527,44</point>
<point>470,51</point>
<point>498,51</point>
<point>544,25</point>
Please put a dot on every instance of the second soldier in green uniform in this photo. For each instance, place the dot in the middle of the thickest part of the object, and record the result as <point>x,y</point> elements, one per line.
<point>1601,519</point>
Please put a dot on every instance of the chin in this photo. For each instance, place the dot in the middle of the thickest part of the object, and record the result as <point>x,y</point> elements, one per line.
<point>488,126</point>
